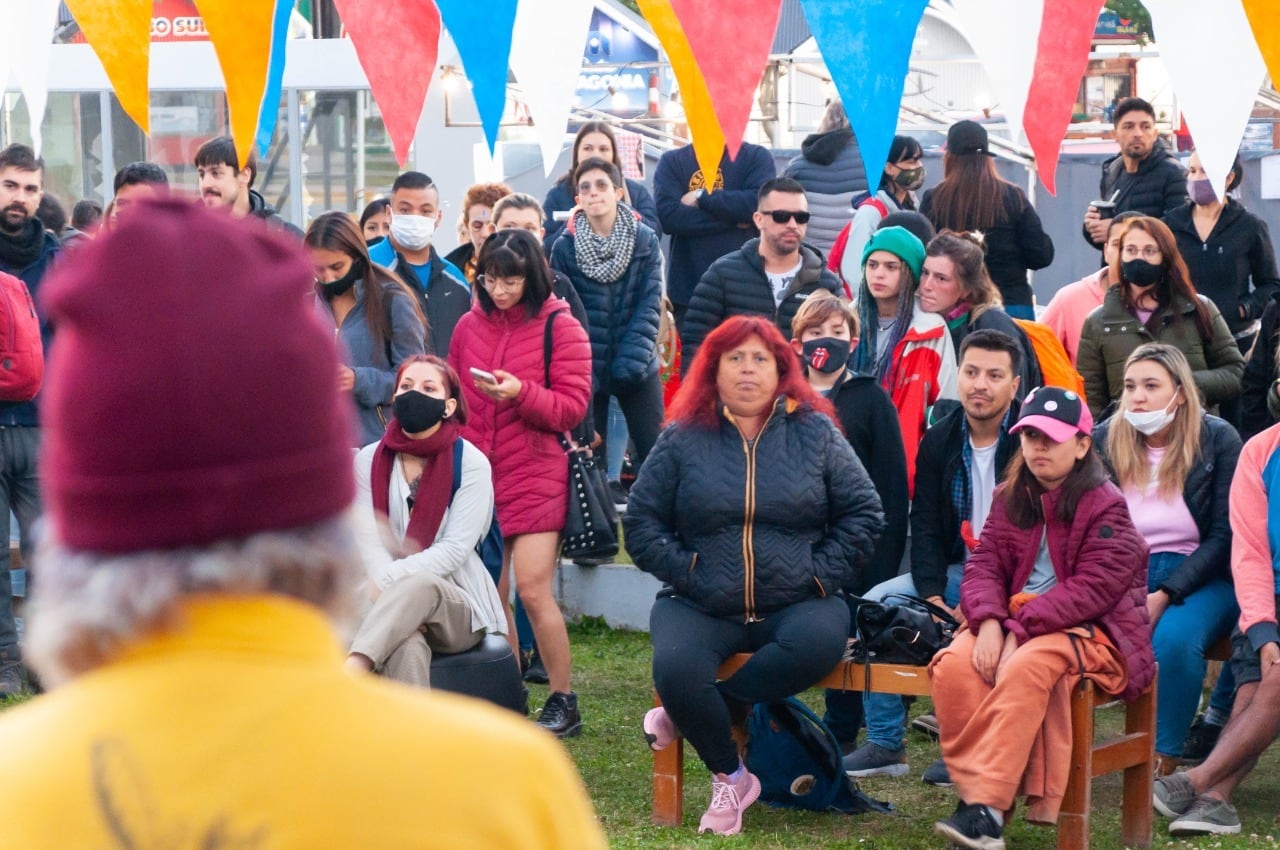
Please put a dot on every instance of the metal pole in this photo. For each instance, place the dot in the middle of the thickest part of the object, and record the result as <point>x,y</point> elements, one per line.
<point>362,103</point>
<point>296,211</point>
<point>108,145</point>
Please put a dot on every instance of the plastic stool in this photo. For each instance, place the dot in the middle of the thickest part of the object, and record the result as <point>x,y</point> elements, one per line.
<point>487,671</point>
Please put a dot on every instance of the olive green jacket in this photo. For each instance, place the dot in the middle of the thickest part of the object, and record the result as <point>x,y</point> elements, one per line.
<point>1111,333</point>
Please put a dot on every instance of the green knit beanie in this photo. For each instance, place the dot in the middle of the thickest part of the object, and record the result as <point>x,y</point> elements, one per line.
<point>900,242</point>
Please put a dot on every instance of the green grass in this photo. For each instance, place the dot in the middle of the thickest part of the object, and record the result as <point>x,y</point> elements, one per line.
<point>612,679</point>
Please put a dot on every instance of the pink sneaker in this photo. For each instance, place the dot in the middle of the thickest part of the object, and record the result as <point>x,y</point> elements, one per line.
<point>728,801</point>
<point>659,731</point>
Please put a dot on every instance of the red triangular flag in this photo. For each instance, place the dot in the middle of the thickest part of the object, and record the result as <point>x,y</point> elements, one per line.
<point>396,42</point>
<point>1061,59</point>
<point>731,54</point>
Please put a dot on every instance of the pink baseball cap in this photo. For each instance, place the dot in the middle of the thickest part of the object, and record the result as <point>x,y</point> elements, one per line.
<point>1056,412</point>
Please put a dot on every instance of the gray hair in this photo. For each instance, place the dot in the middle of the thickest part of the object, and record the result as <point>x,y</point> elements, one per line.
<point>834,118</point>
<point>86,606</point>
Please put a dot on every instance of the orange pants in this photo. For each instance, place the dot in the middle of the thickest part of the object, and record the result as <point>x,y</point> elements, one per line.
<point>1015,737</point>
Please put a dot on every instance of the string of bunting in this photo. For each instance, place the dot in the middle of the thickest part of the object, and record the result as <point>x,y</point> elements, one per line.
<point>717,59</point>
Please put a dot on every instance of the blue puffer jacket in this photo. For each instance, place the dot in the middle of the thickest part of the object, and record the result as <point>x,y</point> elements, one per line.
<point>622,317</point>
<point>743,529</point>
<point>560,199</point>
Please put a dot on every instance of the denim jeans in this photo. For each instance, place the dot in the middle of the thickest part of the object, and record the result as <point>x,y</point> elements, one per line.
<point>616,439</point>
<point>19,486</point>
<point>885,714</point>
<point>1180,639</point>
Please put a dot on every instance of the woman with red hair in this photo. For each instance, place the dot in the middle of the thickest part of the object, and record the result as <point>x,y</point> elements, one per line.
<point>755,513</point>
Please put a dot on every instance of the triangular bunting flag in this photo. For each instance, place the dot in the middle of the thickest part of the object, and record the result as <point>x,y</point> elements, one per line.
<point>482,34</point>
<point>731,67</point>
<point>1009,62</point>
<point>120,33</point>
<point>397,43</point>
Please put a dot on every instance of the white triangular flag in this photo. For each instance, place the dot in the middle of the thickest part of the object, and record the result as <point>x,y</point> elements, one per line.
<point>1010,62</point>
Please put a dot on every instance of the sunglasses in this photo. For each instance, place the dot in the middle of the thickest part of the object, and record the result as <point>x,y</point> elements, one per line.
<point>783,216</point>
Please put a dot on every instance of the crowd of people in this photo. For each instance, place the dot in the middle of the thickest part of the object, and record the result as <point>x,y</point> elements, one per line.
<point>864,409</point>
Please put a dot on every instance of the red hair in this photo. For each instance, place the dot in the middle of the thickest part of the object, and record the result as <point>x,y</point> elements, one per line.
<point>696,401</point>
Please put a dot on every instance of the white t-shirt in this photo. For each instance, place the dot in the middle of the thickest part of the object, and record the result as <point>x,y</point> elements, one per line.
<point>782,282</point>
<point>983,477</point>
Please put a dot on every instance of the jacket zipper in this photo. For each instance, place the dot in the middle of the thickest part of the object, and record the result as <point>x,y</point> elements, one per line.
<point>748,521</point>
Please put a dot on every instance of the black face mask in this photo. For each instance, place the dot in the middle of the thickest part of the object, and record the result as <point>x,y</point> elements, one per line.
<point>827,354</point>
<point>1141,273</point>
<point>336,287</point>
<point>416,412</point>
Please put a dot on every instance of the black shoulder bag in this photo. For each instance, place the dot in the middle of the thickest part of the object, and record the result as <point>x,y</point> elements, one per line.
<point>591,521</point>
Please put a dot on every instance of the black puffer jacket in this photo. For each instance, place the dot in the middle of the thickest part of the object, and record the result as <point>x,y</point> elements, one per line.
<point>1259,407</point>
<point>935,525</point>
<point>1206,492</point>
<point>742,529</point>
<point>1157,188</point>
<point>736,285</point>
<point>1238,250</point>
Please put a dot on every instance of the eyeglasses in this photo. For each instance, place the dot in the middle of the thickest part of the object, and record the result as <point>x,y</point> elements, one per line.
<point>601,185</point>
<point>492,284</point>
<point>1149,252</point>
<point>783,216</point>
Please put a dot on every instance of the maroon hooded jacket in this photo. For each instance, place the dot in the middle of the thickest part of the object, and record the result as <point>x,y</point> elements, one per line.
<point>1100,561</point>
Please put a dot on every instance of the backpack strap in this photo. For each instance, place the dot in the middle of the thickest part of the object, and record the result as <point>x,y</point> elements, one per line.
<point>457,469</point>
<point>548,338</point>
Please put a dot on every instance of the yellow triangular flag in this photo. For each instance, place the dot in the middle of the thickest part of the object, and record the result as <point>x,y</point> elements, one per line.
<point>1264,19</point>
<point>120,33</point>
<point>704,127</point>
<point>241,34</point>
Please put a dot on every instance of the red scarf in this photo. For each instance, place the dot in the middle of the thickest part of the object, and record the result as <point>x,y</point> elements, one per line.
<point>434,488</point>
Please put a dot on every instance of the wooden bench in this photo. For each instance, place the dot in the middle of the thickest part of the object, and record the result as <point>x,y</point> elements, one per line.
<point>1132,752</point>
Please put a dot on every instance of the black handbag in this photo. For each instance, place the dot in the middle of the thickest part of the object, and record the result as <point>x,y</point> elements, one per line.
<point>591,520</point>
<point>900,629</point>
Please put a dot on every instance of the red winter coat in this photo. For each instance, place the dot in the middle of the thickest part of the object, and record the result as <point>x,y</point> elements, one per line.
<point>530,472</point>
<point>1100,561</point>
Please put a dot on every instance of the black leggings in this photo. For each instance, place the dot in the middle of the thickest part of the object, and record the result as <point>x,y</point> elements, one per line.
<point>793,648</point>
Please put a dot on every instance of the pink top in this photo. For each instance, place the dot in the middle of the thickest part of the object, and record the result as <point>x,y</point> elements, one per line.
<point>1071,305</point>
<point>1164,522</point>
<point>1253,518</point>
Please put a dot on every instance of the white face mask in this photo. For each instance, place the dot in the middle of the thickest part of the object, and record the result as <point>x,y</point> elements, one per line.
<point>1151,422</point>
<point>412,232</point>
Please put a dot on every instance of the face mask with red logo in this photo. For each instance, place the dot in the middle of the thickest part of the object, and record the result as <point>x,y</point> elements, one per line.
<point>827,354</point>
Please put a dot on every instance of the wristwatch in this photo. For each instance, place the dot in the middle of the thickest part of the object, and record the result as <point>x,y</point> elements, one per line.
<point>698,195</point>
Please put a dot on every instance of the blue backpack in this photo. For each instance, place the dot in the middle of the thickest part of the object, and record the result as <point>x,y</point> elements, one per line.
<point>490,547</point>
<point>797,760</point>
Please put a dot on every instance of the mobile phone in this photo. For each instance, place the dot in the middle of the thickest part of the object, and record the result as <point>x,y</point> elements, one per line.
<point>482,375</point>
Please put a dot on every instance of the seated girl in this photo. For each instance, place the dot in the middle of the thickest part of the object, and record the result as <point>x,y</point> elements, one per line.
<point>1174,463</point>
<point>1055,590</point>
<point>430,591</point>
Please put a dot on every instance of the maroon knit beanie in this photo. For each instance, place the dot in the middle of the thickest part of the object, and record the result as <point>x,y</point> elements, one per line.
<point>191,391</point>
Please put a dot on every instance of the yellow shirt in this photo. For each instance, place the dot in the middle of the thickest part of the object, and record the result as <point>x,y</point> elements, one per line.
<point>240,729</point>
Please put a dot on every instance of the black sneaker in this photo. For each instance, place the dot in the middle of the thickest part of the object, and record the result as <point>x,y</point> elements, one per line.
<point>560,715</point>
<point>937,775</point>
<point>972,826</point>
<point>618,493</point>
<point>11,683</point>
<point>1200,740</point>
<point>535,671</point>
